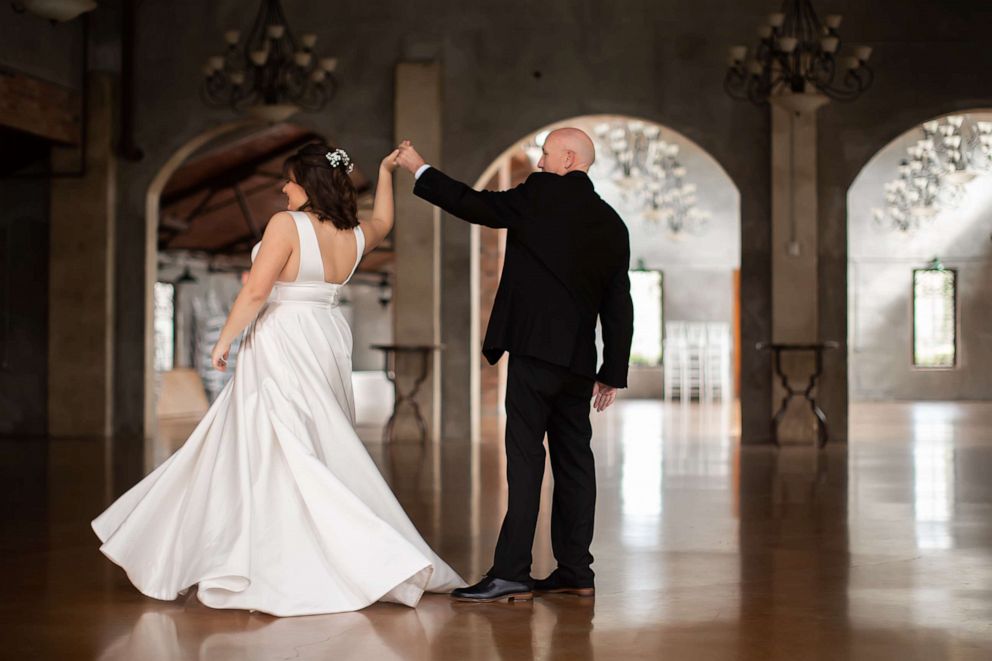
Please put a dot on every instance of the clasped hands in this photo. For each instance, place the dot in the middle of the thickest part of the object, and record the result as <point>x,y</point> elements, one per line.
<point>404,156</point>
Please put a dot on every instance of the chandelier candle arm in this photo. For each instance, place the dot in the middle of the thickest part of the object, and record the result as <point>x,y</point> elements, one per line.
<point>798,54</point>
<point>267,72</point>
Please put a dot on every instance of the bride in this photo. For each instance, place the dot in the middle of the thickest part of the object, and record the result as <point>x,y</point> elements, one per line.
<point>273,504</point>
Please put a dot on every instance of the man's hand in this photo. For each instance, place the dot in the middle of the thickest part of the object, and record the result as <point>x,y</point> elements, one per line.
<point>603,396</point>
<point>409,158</point>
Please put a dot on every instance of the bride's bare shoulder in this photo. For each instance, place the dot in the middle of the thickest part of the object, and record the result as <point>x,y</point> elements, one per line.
<point>280,223</point>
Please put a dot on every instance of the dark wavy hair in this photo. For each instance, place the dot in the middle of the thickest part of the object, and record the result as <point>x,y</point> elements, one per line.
<point>330,192</point>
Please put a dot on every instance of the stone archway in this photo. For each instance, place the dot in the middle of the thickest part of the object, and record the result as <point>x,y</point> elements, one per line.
<point>881,259</point>
<point>152,206</point>
<point>510,168</point>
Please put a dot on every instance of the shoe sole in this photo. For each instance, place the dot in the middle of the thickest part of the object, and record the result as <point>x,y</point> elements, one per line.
<point>579,592</point>
<point>519,596</point>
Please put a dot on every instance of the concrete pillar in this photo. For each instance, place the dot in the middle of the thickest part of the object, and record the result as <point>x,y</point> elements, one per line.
<point>81,272</point>
<point>460,359</point>
<point>492,379</point>
<point>417,240</point>
<point>794,250</point>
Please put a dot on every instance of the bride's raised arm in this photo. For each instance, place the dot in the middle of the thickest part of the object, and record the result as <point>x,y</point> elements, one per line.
<point>380,224</point>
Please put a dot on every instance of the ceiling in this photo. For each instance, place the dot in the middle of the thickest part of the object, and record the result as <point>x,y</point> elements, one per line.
<point>219,201</point>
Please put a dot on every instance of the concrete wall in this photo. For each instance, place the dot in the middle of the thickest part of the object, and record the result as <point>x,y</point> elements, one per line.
<point>931,58</point>
<point>34,46</point>
<point>24,227</point>
<point>880,287</point>
<point>515,66</point>
<point>24,304</point>
<point>698,294</point>
<point>665,51</point>
<point>371,323</point>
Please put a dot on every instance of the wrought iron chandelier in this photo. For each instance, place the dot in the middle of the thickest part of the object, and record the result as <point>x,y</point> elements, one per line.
<point>952,152</point>
<point>797,54</point>
<point>650,176</point>
<point>272,75</point>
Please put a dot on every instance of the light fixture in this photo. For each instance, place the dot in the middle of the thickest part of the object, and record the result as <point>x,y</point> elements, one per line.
<point>675,208</point>
<point>185,278</point>
<point>650,176</point>
<point>271,75</point>
<point>797,59</point>
<point>385,291</point>
<point>963,145</point>
<point>57,11</point>
<point>952,152</point>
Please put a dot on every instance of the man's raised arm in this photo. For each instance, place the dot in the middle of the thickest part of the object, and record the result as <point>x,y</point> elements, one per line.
<point>492,209</point>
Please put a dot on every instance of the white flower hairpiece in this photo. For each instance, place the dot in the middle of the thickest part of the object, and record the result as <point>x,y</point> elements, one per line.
<point>339,157</point>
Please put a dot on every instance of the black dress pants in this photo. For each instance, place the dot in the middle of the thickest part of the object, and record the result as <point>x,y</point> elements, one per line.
<point>545,398</point>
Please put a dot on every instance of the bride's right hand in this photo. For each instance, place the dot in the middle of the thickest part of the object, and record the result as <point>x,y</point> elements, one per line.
<point>390,163</point>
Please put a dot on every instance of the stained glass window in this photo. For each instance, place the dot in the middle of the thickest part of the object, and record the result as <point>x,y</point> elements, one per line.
<point>934,317</point>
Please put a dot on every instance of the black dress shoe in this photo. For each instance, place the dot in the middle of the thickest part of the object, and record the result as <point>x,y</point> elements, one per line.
<point>554,584</point>
<point>494,589</point>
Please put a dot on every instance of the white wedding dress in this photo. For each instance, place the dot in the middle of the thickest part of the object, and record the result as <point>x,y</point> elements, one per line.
<point>273,504</point>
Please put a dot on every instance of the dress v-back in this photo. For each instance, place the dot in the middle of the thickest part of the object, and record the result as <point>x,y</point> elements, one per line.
<point>273,503</point>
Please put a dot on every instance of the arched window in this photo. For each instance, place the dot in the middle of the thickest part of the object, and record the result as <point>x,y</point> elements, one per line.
<point>646,292</point>
<point>934,316</point>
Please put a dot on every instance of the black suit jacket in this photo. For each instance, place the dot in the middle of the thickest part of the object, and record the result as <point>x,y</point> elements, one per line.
<point>566,262</point>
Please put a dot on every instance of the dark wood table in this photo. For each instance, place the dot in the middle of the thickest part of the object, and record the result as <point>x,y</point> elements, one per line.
<point>390,351</point>
<point>777,348</point>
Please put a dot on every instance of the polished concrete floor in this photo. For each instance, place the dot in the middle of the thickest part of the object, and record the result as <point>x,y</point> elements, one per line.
<point>704,550</point>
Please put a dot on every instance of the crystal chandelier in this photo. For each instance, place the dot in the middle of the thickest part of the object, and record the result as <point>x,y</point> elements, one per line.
<point>798,55</point>
<point>272,75</point>
<point>951,153</point>
<point>650,176</point>
<point>634,147</point>
<point>962,144</point>
<point>915,197</point>
<point>674,206</point>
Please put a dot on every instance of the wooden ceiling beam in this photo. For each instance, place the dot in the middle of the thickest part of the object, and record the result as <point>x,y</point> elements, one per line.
<point>40,108</point>
<point>238,172</point>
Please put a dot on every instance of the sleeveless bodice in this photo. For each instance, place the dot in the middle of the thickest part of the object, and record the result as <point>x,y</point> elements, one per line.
<point>309,286</point>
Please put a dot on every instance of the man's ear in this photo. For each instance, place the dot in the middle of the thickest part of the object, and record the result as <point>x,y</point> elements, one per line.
<point>569,159</point>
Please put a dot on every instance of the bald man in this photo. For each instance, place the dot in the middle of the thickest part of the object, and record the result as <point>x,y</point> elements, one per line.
<point>566,263</point>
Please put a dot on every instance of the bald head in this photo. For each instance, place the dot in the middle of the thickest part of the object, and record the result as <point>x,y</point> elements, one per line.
<point>566,150</point>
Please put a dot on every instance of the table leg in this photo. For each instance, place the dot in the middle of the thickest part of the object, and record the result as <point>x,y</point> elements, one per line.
<point>821,418</point>
<point>789,394</point>
<point>421,423</point>
<point>410,397</point>
<point>387,432</point>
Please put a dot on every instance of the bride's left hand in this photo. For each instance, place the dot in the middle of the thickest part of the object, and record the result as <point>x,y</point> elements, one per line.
<point>390,163</point>
<point>219,357</point>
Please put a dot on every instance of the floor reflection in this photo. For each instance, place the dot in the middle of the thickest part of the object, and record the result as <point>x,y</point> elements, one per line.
<point>704,549</point>
<point>933,478</point>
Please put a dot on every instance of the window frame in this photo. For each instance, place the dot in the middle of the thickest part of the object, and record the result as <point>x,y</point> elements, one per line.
<point>661,320</point>
<point>955,312</point>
